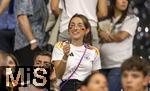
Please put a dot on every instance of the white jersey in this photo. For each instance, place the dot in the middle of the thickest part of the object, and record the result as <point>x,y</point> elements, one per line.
<point>84,7</point>
<point>115,53</point>
<point>91,60</point>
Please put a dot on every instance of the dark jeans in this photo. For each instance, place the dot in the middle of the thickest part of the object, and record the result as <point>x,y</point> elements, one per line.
<point>71,85</point>
<point>114,78</point>
<point>25,55</point>
<point>7,40</point>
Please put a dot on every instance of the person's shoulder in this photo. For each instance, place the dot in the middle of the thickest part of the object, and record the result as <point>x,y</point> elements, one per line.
<point>132,17</point>
<point>59,44</point>
<point>92,48</point>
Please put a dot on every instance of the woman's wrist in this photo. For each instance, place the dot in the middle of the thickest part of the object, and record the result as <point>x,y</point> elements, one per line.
<point>64,59</point>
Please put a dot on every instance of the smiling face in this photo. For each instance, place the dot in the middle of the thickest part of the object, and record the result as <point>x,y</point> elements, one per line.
<point>121,5</point>
<point>133,81</point>
<point>77,29</point>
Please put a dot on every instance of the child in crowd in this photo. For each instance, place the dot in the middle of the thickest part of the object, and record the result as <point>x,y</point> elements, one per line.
<point>134,73</point>
<point>94,82</point>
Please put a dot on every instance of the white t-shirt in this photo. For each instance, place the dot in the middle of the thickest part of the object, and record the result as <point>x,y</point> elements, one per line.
<point>91,60</point>
<point>84,7</point>
<point>114,54</point>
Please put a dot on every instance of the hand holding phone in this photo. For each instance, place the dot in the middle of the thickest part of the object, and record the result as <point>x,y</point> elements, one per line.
<point>66,48</point>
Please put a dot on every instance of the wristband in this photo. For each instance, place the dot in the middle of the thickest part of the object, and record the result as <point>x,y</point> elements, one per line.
<point>33,41</point>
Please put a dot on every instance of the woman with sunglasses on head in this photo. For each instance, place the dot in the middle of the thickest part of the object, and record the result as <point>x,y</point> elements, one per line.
<point>76,60</point>
<point>116,36</point>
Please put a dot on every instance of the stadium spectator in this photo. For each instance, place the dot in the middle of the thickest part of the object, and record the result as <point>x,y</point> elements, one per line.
<point>32,17</point>
<point>94,82</point>
<point>9,61</point>
<point>89,8</point>
<point>134,73</point>
<point>76,60</point>
<point>41,60</point>
<point>116,37</point>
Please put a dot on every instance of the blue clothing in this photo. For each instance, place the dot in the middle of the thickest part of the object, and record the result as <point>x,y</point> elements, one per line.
<point>7,20</point>
<point>114,78</point>
<point>37,13</point>
<point>7,26</point>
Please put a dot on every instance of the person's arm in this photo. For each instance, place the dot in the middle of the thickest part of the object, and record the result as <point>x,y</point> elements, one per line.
<point>60,66</point>
<point>96,64</point>
<point>26,29</point>
<point>102,8</point>
<point>24,8</point>
<point>104,36</point>
<point>60,57</point>
<point>128,29</point>
<point>3,5</point>
<point>55,7</point>
<point>118,37</point>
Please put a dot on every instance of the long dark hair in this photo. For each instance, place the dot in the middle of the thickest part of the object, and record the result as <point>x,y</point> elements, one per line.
<point>112,12</point>
<point>88,37</point>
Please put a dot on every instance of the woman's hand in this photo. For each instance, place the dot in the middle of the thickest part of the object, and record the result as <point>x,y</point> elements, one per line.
<point>66,49</point>
<point>105,36</point>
